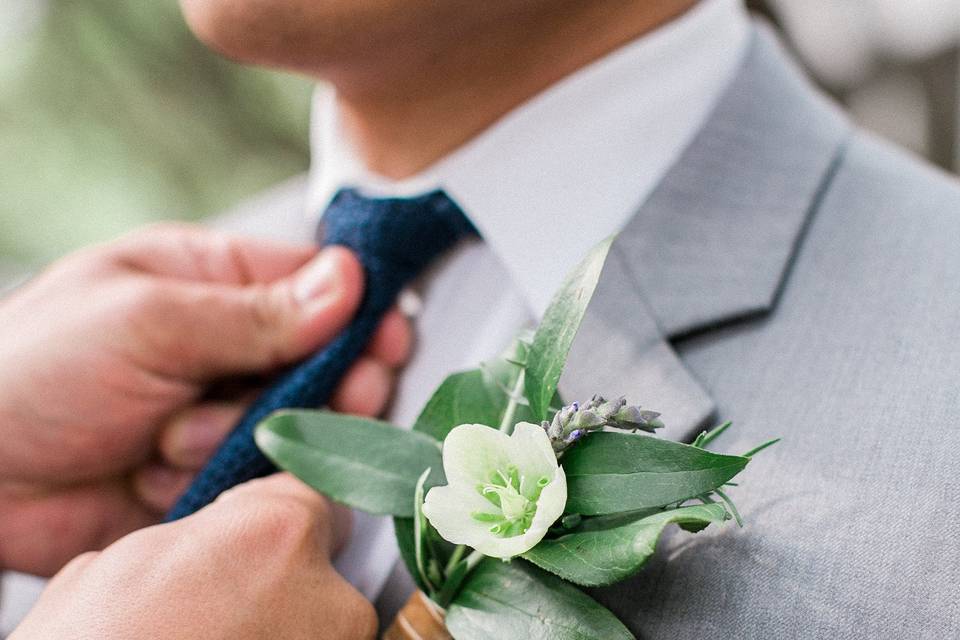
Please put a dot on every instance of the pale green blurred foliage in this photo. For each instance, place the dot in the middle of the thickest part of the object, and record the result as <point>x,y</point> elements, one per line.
<point>113,115</point>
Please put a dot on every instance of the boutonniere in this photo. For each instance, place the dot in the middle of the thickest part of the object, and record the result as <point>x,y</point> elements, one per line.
<point>505,499</point>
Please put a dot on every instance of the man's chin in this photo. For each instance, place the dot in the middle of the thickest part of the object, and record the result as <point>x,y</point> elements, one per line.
<point>318,37</point>
<point>271,33</point>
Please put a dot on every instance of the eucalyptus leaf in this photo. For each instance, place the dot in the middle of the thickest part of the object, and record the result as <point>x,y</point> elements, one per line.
<point>477,396</point>
<point>438,549</point>
<point>552,341</point>
<point>598,558</point>
<point>518,600</point>
<point>420,531</point>
<point>615,472</point>
<point>500,375</point>
<point>463,398</point>
<point>403,530</point>
<point>366,464</point>
<point>453,581</point>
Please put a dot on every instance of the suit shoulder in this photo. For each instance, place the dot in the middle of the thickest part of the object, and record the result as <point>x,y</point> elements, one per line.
<point>895,186</point>
<point>888,220</point>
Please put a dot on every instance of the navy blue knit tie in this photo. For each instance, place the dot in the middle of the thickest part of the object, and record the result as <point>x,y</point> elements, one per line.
<point>395,239</point>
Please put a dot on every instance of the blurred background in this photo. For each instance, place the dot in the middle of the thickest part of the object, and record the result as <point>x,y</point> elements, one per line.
<point>112,115</point>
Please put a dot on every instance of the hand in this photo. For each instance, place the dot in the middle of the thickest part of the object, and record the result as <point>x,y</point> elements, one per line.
<point>106,358</point>
<point>183,579</point>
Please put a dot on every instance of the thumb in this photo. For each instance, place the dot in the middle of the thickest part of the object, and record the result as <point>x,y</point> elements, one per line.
<point>248,329</point>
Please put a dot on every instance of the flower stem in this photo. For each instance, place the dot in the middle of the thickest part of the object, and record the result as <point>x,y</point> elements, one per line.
<point>454,559</point>
<point>473,560</point>
<point>506,423</point>
<point>453,581</point>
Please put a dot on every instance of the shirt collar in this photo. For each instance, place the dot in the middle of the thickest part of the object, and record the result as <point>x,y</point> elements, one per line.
<point>569,167</point>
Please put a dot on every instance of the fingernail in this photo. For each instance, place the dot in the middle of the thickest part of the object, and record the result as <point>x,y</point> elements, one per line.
<point>322,276</point>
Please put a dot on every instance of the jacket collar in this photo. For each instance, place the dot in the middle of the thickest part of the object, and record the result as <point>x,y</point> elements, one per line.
<point>715,240</point>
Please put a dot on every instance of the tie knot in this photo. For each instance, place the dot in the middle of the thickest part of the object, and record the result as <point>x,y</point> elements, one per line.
<point>394,238</point>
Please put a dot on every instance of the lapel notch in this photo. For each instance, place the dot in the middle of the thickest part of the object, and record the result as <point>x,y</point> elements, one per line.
<point>714,242</point>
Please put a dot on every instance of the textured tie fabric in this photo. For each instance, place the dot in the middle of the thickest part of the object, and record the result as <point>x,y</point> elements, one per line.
<point>395,239</point>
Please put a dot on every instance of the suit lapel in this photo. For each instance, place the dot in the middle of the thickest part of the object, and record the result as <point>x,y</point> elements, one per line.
<point>714,242</point>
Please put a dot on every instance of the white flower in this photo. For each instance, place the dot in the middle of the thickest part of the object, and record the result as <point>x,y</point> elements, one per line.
<point>504,491</point>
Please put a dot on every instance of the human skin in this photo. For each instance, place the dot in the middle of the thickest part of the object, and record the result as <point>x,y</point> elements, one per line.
<point>415,79</point>
<point>108,403</point>
<point>254,564</point>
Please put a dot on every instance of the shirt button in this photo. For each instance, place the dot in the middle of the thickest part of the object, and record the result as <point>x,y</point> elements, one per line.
<point>410,303</point>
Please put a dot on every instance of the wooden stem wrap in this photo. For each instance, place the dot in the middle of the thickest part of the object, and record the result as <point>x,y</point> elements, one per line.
<point>420,619</point>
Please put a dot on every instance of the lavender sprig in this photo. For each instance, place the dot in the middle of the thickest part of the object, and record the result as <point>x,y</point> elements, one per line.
<point>572,422</point>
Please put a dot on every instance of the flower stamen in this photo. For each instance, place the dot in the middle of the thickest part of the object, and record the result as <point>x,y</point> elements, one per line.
<point>507,490</point>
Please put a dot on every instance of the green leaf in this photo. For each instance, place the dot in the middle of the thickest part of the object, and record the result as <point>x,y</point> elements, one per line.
<point>553,339</point>
<point>366,464</point>
<point>403,529</point>
<point>420,530</point>
<point>453,581</point>
<point>500,375</point>
<point>463,398</point>
<point>598,558</point>
<point>471,397</point>
<point>518,600</point>
<point>614,472</point>
<point>439,548</point>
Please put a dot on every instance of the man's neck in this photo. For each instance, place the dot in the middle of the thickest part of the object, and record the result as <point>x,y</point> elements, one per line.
<point>409,115</point>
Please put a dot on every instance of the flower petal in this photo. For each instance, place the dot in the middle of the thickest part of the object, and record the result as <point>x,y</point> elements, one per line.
<point>552,502</point>
<point>506,548</point>
<point>530,450</point>
<point>471,452</point>
<point>449,509</point>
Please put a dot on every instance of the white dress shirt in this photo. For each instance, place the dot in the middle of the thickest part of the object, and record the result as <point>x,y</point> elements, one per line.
<point>543,184</point>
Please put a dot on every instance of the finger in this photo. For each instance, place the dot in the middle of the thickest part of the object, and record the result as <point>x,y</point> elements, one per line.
<point>365,390</point>
<point>159,486</point>
<point>35,539</point>
<point>189,439</point>
<point>222,330</point>
<point>393,340</point>
<point>191,252</point>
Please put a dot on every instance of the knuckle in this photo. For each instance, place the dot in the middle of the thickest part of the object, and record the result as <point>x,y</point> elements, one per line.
<point>283,531</point>
<point>75,567</point>
<point>80,561</point>
<point>272,311</point>
<point>288,519</point>
<point>148,304</point>
<point>279,526</point>
<point>234,256</point>
<point>265,312</point>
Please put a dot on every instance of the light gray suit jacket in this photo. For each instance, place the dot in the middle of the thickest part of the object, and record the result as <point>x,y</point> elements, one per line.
<point>801,278</point>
